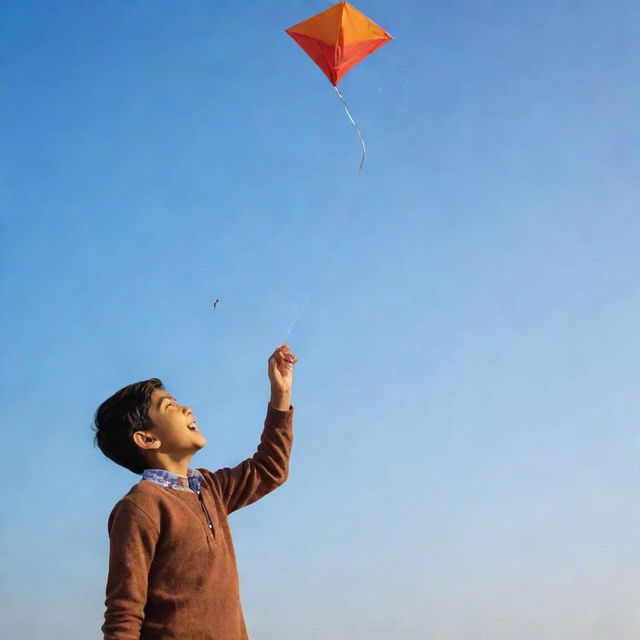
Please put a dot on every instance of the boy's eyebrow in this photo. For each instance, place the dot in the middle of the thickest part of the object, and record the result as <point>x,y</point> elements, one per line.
<point>161,398</point>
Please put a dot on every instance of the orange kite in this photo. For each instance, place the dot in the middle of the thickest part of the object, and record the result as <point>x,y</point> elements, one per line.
<point>338,38</point>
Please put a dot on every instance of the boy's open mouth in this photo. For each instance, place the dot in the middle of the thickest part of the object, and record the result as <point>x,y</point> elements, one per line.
<point>193,426</point>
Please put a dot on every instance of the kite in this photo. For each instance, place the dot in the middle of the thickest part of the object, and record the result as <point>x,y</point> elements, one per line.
<point>337,39</point>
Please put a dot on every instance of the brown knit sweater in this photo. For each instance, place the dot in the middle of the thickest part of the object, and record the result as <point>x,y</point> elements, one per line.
<point>170,575</point>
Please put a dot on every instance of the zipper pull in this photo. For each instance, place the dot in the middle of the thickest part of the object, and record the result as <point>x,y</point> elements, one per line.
<point>206,513</point>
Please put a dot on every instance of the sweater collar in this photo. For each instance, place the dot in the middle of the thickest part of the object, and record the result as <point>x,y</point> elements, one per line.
<point>170,480</point>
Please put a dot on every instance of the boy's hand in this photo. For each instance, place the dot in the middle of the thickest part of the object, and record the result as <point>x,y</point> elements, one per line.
<point>281,377</point>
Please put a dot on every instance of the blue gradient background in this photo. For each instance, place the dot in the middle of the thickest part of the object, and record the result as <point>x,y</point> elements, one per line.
<point>466,456</point>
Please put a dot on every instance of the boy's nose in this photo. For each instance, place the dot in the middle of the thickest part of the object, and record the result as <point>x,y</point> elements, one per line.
<point>186,410</point>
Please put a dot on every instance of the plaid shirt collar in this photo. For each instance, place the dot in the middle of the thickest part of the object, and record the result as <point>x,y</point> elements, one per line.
<point>190,482</point>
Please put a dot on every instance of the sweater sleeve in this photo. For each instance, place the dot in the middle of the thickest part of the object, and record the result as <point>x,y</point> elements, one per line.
<point>133,537</point>
<point>262,473</point>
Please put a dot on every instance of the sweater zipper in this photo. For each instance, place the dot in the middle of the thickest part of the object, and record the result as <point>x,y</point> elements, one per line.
<point>206,513</point>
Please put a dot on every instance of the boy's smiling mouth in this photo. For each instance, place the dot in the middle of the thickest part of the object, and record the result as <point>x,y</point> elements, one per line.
<point>193,426</point>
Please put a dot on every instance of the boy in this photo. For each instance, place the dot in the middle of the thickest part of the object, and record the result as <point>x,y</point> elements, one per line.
<point>172,567</point>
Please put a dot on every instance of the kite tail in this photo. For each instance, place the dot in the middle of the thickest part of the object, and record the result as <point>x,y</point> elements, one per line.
<point>353,122</point>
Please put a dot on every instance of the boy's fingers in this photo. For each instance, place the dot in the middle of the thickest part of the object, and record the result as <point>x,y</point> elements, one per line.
<point>283,358</point>
<point>284,351</point>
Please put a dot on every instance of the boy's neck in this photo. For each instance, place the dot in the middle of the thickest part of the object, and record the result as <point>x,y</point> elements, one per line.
<point>179,467</point>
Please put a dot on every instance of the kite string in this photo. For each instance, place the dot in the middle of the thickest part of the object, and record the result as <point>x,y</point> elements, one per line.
<point>323,265</point>
<point>319,273</point>
<point>316,279</point>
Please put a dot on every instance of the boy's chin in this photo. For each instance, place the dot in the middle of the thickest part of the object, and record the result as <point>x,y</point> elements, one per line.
<point>201,444</point>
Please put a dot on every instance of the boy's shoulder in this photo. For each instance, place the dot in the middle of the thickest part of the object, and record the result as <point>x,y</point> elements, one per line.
<point>143,490</point>
<point>143,496</point>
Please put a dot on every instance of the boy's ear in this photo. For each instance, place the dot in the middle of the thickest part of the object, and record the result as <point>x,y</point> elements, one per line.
<point>146,440</point>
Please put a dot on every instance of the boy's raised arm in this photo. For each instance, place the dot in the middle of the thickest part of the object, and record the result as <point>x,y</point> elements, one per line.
<point>266,470</point>
<point>269,466</point>
<point>132,537</point>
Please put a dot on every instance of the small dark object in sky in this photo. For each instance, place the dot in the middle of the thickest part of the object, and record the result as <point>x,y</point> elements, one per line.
<point>215,304</point>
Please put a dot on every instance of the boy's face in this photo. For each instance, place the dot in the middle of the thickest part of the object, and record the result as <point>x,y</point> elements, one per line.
<point>174,430</point>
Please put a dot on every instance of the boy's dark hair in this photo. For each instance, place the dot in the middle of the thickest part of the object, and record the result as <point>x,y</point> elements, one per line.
<point>119,417</point>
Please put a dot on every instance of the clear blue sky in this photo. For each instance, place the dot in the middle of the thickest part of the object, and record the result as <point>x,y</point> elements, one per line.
<point>466,455</point>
